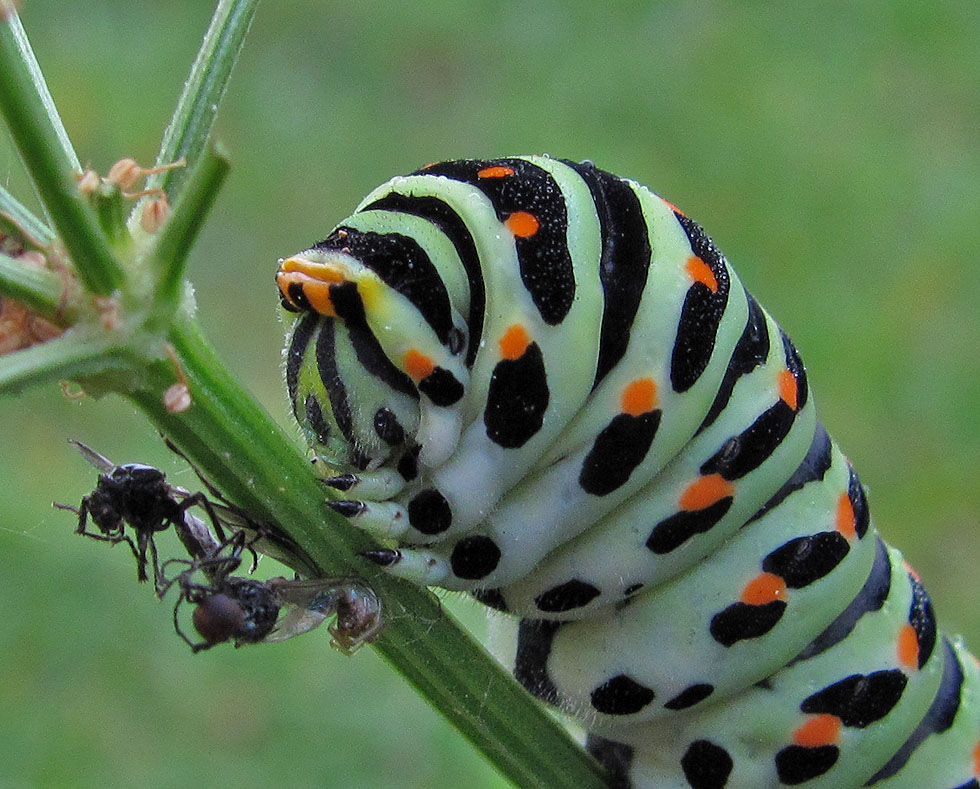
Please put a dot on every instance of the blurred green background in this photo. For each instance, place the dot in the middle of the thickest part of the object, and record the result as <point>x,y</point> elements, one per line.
<point>831,149</point>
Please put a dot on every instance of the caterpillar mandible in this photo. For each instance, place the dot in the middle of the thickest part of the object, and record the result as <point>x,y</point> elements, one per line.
<point>543,384</point>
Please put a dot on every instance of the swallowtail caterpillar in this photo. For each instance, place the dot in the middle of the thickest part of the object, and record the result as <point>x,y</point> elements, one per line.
<point>543,384</point>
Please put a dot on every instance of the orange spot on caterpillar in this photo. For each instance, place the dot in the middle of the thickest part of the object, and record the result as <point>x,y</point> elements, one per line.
<point>788,388</point>
<point>514,342</point>
<point>315,291</point>
<point>673,207</point>
<point>818,731</point>
<point>908,647</point>
<point>705,491</point>
<point>764,588</point>
<point>976,760</point>
<point>282,282</point>
<point>318,294</point>
<point>699,271</point>
<point>321,271</point>
<point>846,523</point>
<point>418,365</point>
<point>522,224</point>
<point>911,571</point>
<point>639,397</point>
<point>498,171</point>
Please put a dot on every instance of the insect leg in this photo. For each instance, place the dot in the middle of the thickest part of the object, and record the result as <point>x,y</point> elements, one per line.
<point>112,539</point>
<point>419,566</point>
<point>195,647</point>
<point>382,519</point>
<point>143,539</point>
<point>82,513</point>
<point>156,563</point>
<point>203,501</point>
<point>380,484</point>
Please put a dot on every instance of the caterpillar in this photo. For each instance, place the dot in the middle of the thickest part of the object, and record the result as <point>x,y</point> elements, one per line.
<point>543,384</point>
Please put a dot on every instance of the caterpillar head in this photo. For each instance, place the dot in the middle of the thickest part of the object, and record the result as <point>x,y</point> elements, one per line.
<point>351,417</point>
<point>355,406</point>
<point>398,357</point>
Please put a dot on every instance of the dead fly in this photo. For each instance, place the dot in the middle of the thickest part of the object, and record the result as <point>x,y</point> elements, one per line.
<point>248,611</point>
<point>228,607</point>
<point>139,496</point>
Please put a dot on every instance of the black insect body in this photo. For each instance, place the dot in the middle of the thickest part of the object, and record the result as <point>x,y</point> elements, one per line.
<point>139,496</point>
<point>249,611</point>
<point>266,538</point>
<point>244,611</point>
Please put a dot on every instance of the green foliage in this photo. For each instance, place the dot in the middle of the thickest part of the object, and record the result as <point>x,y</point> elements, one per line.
<point>831,150</point>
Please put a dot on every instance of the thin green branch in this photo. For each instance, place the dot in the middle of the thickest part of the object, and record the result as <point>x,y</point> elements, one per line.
<point>39,289</point>
<point>27,56</point>
<point>190,126</point>
<point>169,255</point>
<point>73,355</point>
<point>241,449</point>
<point>16,220</point>
<point>37,133</point>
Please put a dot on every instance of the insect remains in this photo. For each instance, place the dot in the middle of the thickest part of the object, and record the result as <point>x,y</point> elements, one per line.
<point>249,611</point>
<point>139,496</point>
<point>228,607</point>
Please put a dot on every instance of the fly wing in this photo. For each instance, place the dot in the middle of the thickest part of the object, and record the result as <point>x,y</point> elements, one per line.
<point>101,462</point>
<point>294,623</point>
<point>196,536</point>
<point>308,602</point>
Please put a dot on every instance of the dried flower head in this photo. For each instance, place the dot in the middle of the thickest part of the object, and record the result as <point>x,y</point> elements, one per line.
<point>156,211</point>
<point>126,173</point>
<point>20,327</point>
<point>88,182</point>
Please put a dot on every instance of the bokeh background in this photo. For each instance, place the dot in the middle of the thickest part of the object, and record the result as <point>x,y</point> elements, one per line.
<point>831,149</point>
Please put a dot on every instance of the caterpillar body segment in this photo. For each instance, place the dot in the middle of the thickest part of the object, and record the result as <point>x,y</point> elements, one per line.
<point>678,518</point>
<point>541,383</point>
<point>806,725</point>
<point>732,621</point>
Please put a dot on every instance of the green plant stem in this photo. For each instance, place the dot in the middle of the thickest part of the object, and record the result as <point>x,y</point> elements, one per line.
<point>16,220</point>
<point>169,254</point>
<point>39,289</point>
<point>191,123</point>
<point>76,354</point>
<point>38,134</point>
<point>37,78</point>
<point>241,449</point>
